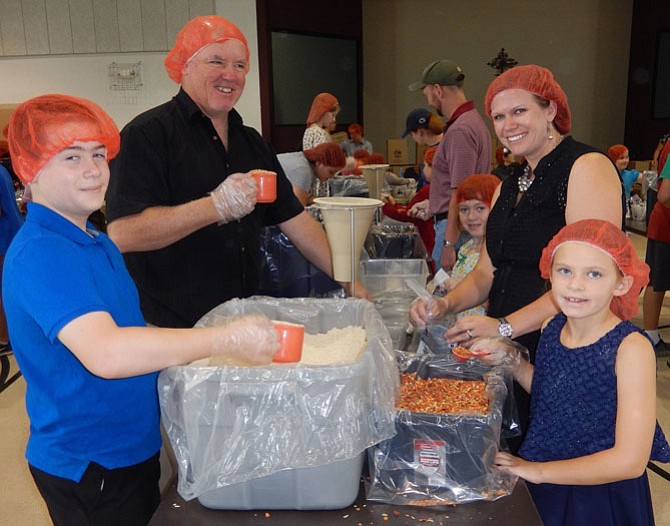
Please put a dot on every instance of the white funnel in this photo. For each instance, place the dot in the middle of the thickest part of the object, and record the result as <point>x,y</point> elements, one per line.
<point>347,221</point>
<point>374,177</point>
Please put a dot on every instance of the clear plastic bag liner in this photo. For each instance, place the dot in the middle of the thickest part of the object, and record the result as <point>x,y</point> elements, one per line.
<point>350,185</point>
<point>442,459</point>
<point>232,424</point>
<point>433,342</point>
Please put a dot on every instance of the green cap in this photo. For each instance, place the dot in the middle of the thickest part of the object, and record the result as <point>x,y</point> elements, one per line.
<point>443,72</point>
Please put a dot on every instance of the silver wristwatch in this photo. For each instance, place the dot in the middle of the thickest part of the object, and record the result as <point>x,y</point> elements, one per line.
<point>505,328</point>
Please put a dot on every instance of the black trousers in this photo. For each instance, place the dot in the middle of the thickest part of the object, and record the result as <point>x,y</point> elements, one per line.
<point>118,497</point>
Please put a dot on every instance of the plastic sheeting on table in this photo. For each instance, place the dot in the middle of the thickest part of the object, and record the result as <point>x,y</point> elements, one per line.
<point>442,458</point>
<point>232,424</point>
<point>285,273</point>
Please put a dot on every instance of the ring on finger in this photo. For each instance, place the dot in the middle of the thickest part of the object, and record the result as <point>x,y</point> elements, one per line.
<point>469,333</point>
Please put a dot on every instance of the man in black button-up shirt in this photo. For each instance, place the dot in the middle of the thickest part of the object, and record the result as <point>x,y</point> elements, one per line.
<point>187,252</point>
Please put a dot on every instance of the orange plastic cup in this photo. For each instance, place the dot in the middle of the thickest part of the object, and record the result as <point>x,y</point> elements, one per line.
<point>291,337</point>
<point>267,185</point>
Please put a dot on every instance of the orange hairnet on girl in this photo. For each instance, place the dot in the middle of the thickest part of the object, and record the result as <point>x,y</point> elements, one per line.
<point>328,154</point>
<point>41,127</point>
<point>604,236</point>
<point>429,155</point>
<point>617,151</point>
<point>322,103</point>
<point>537,80</point>
<point>477,186</point>
<point>196,34</point>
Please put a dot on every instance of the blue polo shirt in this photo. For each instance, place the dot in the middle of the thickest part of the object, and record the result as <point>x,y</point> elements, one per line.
<point>54,273</point>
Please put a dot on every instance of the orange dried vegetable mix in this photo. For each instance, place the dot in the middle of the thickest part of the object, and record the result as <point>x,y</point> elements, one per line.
<point>442,395</point>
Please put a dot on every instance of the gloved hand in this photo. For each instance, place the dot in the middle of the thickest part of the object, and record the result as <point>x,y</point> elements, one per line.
<point>422,312</point>
<point>499,351</point>
<point>246,340</point>
<point>235,197</point>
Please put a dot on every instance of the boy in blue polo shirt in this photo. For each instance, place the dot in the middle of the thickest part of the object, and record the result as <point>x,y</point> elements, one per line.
<point>89,360</point>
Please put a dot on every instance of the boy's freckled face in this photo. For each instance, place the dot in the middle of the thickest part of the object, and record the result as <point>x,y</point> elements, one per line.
<point>74,181</point>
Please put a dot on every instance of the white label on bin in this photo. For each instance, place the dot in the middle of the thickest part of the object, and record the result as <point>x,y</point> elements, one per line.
<point>431,456</point>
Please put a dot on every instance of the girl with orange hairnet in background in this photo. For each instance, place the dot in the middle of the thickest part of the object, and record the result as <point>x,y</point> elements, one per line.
<point>473,196</point>
<point>593,425</point>
<point>89,360</point>
<point>321,120</point>
<point>551,188</point>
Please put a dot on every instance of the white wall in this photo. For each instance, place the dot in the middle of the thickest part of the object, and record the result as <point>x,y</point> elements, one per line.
<point>86,75</point>
<point>585,44</point>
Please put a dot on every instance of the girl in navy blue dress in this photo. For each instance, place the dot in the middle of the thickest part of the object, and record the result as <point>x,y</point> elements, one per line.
<point>593,425</point>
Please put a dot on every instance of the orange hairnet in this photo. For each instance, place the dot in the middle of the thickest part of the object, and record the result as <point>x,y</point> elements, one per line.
<point>375,158</point>
<point>361,153</point>
<point>612,240</point>
<point>196,34</point>
<point>41,127</point>
<point>616,152</point>
<point>328,154</point>
<point>537,80</point>
<point>429,155</point>
<point>321,104</point>
<point>477,186</point>
<point>355,128</point>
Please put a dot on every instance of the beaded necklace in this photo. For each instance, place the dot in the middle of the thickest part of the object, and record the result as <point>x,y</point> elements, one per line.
<point>526,178</point>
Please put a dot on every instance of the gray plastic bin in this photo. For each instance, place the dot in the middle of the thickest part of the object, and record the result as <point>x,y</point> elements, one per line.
<point>282,436</point>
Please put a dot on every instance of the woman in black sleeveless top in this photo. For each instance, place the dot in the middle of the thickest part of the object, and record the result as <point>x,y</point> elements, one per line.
<point>560,181</point>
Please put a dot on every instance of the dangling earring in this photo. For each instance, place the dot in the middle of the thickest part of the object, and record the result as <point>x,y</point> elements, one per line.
<point>550,131</point>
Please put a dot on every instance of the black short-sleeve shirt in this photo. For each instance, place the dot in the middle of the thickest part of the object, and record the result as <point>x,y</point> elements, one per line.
<point>171,155</point>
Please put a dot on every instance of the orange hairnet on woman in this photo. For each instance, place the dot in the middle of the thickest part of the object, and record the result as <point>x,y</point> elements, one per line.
<point>553,187</point>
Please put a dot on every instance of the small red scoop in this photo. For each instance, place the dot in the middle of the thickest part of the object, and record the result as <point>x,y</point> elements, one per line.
<point>462,354</point>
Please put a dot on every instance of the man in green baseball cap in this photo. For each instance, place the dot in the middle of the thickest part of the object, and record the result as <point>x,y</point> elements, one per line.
<point>443,72</point>
<point>465,149</point>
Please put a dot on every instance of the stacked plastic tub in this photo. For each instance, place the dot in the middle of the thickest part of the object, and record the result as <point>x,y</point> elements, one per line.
<point>437,459</point>
<point>385,281</point>
<point>283,436</point>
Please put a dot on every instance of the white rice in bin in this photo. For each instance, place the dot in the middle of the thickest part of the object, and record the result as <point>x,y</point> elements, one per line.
<point>335,346</point>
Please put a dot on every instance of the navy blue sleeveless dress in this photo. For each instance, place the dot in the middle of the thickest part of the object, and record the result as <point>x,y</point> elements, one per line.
<point>573,413</point>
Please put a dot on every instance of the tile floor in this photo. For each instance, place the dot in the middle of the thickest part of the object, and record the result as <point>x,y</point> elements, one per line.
<point>20,503</point>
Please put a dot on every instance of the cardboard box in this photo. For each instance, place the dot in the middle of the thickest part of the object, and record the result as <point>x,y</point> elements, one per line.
<point>640,166</point>
<point>397,151</point>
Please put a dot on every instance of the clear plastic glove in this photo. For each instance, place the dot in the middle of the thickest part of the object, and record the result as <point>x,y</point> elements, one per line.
<point>499,351</point>
<point>420,210</point>
<point>246,340</point>
<point>235,197</point>
<point>422,312</point>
